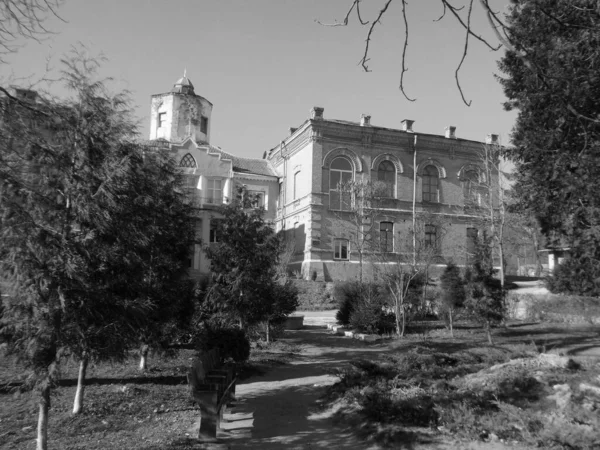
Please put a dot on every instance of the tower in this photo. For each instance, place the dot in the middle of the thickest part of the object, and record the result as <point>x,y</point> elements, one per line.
<point>180,113</point>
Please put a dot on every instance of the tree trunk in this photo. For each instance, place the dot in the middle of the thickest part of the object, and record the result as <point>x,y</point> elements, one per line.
<point>267,331</point>
<point>403,322</point>
<point>144,357</point>
<point>451,320</point>
<point>488,329</point>
<point>42,431</point>
<point>78,403</point>
<point>397,311</point>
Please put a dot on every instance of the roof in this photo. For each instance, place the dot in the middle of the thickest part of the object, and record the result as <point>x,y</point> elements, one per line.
<point>248,165</point>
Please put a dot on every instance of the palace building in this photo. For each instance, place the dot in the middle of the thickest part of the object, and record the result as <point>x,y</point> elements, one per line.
<point>300,183</point>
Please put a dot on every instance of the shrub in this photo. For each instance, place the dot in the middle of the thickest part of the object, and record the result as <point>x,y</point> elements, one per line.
<point>575,276</point>
<point>348,294</point>
<point>232,342</point>
<point>373,317</point>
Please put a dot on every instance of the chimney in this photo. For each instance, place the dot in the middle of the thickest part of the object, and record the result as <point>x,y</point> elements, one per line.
<point>491,139</point>
<point>365,120</point>
<point>451,132</point>
<point>292,130</point>
<point>407,125</point>
<point>316,113</point>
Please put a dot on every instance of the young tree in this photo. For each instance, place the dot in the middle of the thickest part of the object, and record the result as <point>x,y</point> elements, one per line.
<point>453,294</point>
<point>70,244</point>
<point>405,271</point>
<point>551,80</point>
<point>361,205</point>
<point>485,295</point>
<point>244,266</point>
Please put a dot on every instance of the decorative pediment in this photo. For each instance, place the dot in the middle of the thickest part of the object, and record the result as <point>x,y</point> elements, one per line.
<point>431,162</point>
<point>387,157</point>
<point>471,168</point>
<point>342,151</point>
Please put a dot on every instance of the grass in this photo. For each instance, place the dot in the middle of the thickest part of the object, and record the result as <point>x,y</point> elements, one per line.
<point>124,408</point>
<point>431,382</point>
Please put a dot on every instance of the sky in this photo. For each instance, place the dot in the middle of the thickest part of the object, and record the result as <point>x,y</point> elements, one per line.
<point>265,63</point>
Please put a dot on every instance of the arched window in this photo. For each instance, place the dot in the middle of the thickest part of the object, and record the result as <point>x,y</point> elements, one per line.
<point>386,174</point>
<point>431,183</point>
<point>470,185</point>
<point>188,161</point>
<point>340,174</point>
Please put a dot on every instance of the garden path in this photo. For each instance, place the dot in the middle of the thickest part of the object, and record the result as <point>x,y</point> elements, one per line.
<point>280,410</point>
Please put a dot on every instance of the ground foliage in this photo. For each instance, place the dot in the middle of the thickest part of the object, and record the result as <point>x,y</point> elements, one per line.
<point>551,79</point>
<point>451,389</point>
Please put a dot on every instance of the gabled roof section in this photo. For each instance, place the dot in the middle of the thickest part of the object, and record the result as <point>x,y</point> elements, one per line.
<point>248,165</point>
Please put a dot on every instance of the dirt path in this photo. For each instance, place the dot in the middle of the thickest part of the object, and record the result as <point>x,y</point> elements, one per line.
<point>280,410</point>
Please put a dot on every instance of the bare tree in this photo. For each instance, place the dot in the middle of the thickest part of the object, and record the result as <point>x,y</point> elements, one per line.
<point>465,14</point>
<point>406,270</point>
<point>24,19</point>
<point>360,207</point>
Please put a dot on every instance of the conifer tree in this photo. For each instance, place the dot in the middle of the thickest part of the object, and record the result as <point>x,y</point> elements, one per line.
<point>453,293</point>
<point>72,246</point>
<point>485,295</point>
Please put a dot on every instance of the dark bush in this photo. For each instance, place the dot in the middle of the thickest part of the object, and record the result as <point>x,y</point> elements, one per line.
<point>373,316</point>
<point>231,342</point>
<point>348,294</point>
<point>574,277</point>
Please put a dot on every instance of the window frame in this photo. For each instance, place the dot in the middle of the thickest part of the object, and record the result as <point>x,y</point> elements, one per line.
<point>388,183</point>
<point>337,190</point>
<point>213,236</point>
<point>337,255</point>
<point>210,191</point>
<point>162,119</point>
<point>260,195</point>
<point>204,124</point>
<point>470,192</point>
<point>431,230</point>
<point>427,179</point>
<point>389,237</point>
<point>296,188</point>
<point>188,157</point>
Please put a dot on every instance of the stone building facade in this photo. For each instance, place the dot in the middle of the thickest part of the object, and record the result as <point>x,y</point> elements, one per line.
<point>425,175</point>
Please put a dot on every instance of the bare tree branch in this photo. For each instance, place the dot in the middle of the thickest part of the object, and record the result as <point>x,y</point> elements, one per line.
<point>365,58</point>
<point>404,68</point>
<point>355,4</point>
<point>464,55</point>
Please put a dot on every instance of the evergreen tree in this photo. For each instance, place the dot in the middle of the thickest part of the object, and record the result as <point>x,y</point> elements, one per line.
<point>73,249</point>
<point>552,80</point>
<point>453,294</point>
<point>485,295</point>
<point>244,267</point>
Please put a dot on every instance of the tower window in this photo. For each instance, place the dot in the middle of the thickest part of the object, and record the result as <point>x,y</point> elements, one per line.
<point>162,120</point>
<point>204,125</point>
<point>188,161</point>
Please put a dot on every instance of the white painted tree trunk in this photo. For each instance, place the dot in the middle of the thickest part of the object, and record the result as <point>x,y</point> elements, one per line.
<point>144,357</point>
<point>78,403</point>
<point>42,430</point>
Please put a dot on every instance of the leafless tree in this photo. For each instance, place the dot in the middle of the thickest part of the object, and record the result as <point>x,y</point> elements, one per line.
<point>24,19</point>
<point>360,207</point>
<point>464,13</point>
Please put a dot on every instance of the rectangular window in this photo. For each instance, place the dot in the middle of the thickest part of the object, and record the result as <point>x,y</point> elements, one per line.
<point>386,237</point>
<point>162,119</point>
<point>431,237</point>
<point>204,125</point>
<point>214,235</point>
<point>340,249</point>
<point>280,198</point>
<point>215,191</point>
<point>296,185</point>
<point>257,198</point>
